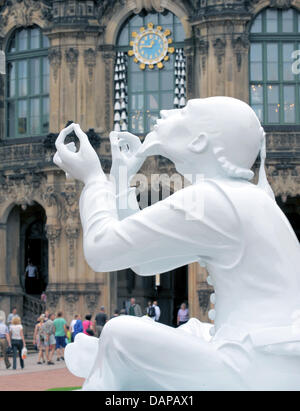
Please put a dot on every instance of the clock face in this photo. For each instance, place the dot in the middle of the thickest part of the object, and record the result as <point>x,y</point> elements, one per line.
<point>150,46</point>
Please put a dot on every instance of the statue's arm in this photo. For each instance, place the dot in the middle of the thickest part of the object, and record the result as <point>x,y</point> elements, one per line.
<point>154,240</point>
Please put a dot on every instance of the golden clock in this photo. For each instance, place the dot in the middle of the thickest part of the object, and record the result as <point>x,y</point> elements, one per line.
<point>151,46</point>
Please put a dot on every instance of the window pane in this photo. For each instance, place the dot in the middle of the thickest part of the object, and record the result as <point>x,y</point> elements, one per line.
<point>258,108</point>
<point>23,40</point>
<point>272,59</point>
<point>151,121</point>
<point>137,82</point>
<point>152,101</point>
<point>256,94</point>
<point>11,79</point>
<point>152,80</point>
<point>167,100</point>
<point>46,42</point>
<point>271,20</point>
<point>35,76</point>
<point>273,104</point>
<point>151,18</point>
<point>179,34</point>
<point>166,19</point>
<point>22,117</point>
<point>45,120</point>
<point>256,61</point>
<point>288,21</point>
<point>287,50</point>
<point>22,77</point>
<point>45,75</point>
<point>123,37</point>
<point>12,45</point>
<point>35,116</point>
<point>289,104</point>
<point>137,101</point>
<point>257,25</point>
<point>11,107</point>
<point>136,121</point>
<point>137,21</point>
<point>167,80</point>
<point>35,38</point>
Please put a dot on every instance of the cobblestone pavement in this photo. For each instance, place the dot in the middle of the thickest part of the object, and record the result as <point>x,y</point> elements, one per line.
<point>36,377</point>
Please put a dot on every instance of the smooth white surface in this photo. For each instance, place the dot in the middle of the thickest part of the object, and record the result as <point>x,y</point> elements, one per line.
<point>240,234</point>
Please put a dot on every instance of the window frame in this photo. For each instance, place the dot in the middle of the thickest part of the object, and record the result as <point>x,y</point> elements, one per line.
<point>279,38</point>
<point>17,56</point>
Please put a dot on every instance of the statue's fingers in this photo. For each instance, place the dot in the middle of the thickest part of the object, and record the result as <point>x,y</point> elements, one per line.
<point>133,141</point>
<point>63,134</point>
<point>114,142</point>
<point>83,138</point>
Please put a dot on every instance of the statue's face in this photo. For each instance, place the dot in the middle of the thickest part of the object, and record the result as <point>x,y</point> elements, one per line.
<point>173,132</point>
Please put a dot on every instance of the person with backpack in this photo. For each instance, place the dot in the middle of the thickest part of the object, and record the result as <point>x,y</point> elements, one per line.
<point>151,311</point>
<point>78,327</point>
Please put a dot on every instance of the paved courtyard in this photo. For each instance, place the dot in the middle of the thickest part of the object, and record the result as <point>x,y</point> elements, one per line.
<point>36,377</point>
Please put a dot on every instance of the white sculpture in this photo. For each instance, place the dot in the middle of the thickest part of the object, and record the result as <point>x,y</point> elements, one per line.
<point>241,236</point>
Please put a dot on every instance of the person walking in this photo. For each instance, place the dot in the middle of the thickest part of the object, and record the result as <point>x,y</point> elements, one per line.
<point>60,335</point>
<point>49,332</point>
<point>157,310</point>
<point>73,322</point>
<point>87,324</point>
<point>183,314</point>
<point>134,309</point>
<point>39,339</point>
<point>78,328</point>
<point>17,341</point>
<point>100,320</point>
<point>4,342</point>
<point>12,315</point>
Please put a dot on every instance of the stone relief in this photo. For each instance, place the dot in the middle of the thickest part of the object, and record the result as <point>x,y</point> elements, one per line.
<point>71,56</point>
<point>54,56</point>
<point>90,61</point>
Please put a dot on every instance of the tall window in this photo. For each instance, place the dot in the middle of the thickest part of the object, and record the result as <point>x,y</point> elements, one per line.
<point>27,95</point>
<point>141,91</point>
<point>274,88</point>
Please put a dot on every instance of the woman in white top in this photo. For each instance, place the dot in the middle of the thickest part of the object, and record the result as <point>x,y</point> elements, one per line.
<point>17,340</point>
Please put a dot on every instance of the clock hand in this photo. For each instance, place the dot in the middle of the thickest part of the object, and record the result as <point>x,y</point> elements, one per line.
<point>149,46</point>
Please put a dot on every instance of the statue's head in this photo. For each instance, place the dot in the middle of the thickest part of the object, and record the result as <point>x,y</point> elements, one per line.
<point>220,131</point>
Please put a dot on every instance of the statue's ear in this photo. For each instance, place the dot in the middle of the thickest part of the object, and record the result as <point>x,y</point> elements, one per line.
<point>199,143</point>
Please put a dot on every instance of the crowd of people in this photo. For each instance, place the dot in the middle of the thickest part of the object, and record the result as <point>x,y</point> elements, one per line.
<point>52,332</point>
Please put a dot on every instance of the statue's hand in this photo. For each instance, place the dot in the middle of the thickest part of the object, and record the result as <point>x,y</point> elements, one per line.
<point>83,165</point>
<point>125,164</point>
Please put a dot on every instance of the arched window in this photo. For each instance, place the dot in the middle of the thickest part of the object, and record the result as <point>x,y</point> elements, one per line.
<point>142,90</point>
<point>27,91</point>
<point>274,88</point>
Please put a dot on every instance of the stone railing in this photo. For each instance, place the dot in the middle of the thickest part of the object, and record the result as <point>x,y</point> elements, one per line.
<point>32,308</point>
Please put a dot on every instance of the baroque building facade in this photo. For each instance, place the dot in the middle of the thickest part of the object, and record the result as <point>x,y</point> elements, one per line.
<point>73,60</point>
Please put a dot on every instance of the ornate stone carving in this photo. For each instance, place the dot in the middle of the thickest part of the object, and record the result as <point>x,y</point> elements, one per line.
<point>203,47</point>
<point>52,300</point>
<point>281,4</point>
<point>148,5</point>
<point>90,61</point>
<point>53,234</point>
<point>219,46</point>
<point>72,233</point>
<point>92,300</point>
<point>71,56</point>
<point>240,46</point>
<point>23,13</point>
<point>71,299</point>
<point>54,56</point>
<point>204,302</point>
<point>21,186</point>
